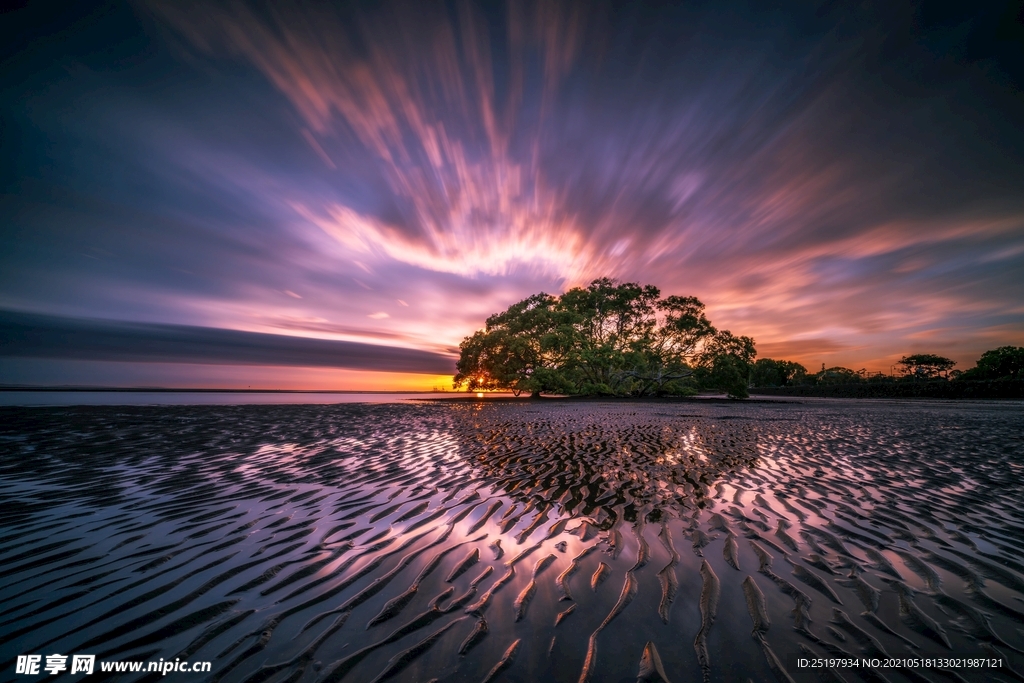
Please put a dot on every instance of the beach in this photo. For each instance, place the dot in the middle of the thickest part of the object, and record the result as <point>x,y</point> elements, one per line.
<point>551,540</point>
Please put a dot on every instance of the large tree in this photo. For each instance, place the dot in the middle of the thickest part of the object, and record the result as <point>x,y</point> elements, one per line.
<point>605,339</point>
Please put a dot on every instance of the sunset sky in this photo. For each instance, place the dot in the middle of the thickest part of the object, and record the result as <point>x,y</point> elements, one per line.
<point>186,188</point>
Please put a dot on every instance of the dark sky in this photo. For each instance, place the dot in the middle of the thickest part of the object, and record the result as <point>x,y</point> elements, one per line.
<point>843,183</point>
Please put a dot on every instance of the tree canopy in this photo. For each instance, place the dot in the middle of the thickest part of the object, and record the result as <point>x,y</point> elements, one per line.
<point>1006,362</point>
<point>617,339</point>
<point>925,365</point>
<point>768,372</point>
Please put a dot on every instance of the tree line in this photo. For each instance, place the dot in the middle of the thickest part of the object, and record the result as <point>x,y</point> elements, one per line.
<point>624,339</point>
<point>1002,364</point>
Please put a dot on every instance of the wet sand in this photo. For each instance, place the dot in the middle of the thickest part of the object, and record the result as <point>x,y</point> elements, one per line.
<point>518,541</point>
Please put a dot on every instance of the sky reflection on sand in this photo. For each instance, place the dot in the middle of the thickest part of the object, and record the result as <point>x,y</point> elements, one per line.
<point>353,541</point>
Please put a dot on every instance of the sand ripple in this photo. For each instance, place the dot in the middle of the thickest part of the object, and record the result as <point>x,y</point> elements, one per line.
<point>562,541</point>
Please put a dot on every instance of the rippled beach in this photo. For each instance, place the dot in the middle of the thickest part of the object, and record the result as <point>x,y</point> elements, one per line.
<point>516,540</point>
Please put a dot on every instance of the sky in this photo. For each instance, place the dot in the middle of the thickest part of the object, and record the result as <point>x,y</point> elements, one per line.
<point>332,196</point>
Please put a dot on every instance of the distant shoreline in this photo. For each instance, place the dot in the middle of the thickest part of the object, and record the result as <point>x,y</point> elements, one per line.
<point>225,391</point>
<point>949,390</point>
<point>758,394</point>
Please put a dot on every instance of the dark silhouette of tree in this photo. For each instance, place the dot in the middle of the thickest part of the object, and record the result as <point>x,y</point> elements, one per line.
<point>520,349</point>
<point>768,372</point>
<point>605,339</point>
<point>837,375</point>
<point>925,365</point>
<point>1006,362</point>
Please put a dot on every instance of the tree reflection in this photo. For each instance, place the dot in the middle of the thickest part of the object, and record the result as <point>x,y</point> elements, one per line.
<point>604,461</point>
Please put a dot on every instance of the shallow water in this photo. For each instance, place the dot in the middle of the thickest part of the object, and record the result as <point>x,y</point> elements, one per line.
<point>517,541</point>
<point>113,397</point>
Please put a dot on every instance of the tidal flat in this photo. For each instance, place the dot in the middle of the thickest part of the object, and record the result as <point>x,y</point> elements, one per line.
<point>517,540</point>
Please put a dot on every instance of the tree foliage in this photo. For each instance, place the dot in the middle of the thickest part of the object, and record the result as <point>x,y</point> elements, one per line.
<point>605,339</point>
<point>925,365</point>
<point>768,372</point>
<point>837,375</point>
<point>1006,362</point>
<point>725,364</point>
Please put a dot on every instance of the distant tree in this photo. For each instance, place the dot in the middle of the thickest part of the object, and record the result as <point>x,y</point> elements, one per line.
<point>1006,362</point>
<point>604,339</point>
<point>837,375</point>
<point>878,377</point>
<point>925,365</point>
<point>768,372</point>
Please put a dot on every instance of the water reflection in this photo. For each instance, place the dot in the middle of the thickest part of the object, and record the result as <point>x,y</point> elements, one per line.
<point>563,541</point>
<point>581,460</point>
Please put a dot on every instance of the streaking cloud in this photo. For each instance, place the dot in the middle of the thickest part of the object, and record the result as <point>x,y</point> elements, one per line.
<point>842,185</point>
<point>461,155</point>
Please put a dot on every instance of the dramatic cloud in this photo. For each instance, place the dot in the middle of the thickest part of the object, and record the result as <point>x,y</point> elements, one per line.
<point>843,184</point>
<point>37,336</point>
